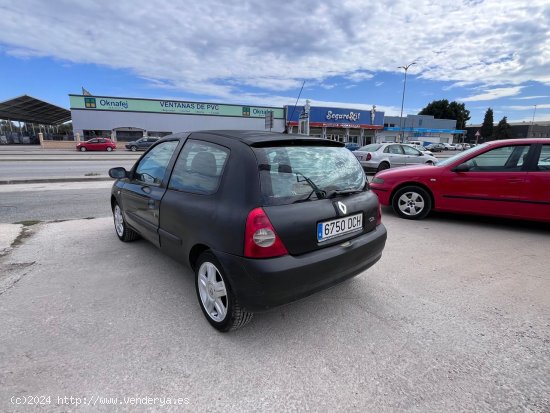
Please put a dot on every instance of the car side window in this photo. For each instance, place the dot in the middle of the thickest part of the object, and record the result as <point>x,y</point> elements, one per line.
<point>544,159</point>
<point>152,167</point>
<point>409,150</point>
<point>503,159</point>
<point>199,168</point>
<point>395,149</point>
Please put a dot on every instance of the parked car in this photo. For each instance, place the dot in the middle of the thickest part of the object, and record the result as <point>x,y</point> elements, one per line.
<point>421,148</point>
<point>449,146</point>
<point>505,178</point>
<point>96,144</point>
<point>436,147</point>
<point>304,221</point>
<point>141,144</point>
<point>380,156</point>
<point>352,146</point>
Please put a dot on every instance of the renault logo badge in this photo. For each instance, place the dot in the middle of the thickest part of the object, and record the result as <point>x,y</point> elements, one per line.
<point>342,207</point>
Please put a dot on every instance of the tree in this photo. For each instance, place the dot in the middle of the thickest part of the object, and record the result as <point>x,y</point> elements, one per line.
<point>442,109</point>
<point>66,128</point>
<point>461,114</point>
<point>503,130</point>
<point>487,127</point>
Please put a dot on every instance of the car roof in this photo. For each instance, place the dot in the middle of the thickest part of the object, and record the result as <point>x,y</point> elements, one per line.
<point>517,141</point>
<point>262,139</point>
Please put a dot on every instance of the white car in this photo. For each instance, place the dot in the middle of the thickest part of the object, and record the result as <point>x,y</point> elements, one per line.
<point>421,148</point>
<point>449,146</point>
<point>378,156</point>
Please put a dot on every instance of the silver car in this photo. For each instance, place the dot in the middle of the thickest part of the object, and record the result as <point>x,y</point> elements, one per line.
<point>420,148</point>
<point>378,156</point>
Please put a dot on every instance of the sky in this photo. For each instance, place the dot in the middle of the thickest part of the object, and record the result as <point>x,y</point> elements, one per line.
<point>485,54</point>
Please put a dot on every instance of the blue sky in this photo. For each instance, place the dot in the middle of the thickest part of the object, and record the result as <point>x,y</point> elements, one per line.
<point>487,54</point>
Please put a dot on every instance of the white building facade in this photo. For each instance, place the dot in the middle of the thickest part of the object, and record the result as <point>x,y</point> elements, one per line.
<point>125,119</point>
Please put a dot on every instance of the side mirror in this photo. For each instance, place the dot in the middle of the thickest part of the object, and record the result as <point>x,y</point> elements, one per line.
<point>118,173</point>
<point>463,167</point>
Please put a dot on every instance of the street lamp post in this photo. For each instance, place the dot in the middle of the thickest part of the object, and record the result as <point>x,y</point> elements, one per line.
<point>403,99</point>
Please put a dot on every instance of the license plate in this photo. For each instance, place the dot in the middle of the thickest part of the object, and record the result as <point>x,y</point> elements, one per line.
<point>336,227</point>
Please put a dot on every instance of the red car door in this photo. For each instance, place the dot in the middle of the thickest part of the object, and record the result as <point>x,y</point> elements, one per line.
<point>92,144</point>
<point>101,144</point>
<point>491,183</point>
<point>537,206</point>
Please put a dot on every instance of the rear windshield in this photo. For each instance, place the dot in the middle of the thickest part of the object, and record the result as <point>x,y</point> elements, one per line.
<point>373,147</point>
<point>291,174</point>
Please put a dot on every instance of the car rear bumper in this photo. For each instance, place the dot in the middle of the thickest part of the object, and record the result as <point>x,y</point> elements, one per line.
<point>260,284</point>
<point>369,166</point>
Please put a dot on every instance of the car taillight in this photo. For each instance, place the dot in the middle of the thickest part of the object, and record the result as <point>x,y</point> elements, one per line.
<point>369,156</point>
<point>261,240</point>
<point>379,215</point>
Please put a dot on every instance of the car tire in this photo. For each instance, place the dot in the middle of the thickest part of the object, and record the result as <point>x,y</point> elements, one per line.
<point>412,202</point>
<point>216,299</point>
<point>382,166</point>
<point>82,149</point>
<point>123,232</point>
<point>109,149</point>
<point>429,163</point>
<point>133,148</point>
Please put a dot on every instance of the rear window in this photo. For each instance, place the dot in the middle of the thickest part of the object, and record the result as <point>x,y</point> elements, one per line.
<point>299,173</point>
<point>373,147</point>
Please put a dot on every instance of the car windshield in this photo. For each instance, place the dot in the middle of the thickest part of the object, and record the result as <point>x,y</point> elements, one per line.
<point>291,174</point>
<point>459,155</point>
<point>373,147</point>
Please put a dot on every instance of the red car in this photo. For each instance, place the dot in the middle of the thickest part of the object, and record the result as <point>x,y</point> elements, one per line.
<point>96,144</point>
<point>506,178</point>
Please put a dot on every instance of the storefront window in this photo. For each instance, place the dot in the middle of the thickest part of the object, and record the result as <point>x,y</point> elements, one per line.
<point>96,133</point>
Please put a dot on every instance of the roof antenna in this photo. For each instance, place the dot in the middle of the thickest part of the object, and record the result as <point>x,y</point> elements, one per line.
<point>294,108</point>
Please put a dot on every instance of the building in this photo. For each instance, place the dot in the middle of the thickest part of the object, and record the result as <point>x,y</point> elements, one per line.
<point>338,124</point>
<point>126,119</point>
<point>520,130</point>
<point>424,128</point>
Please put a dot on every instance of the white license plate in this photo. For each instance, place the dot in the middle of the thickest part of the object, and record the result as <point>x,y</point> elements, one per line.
<point>336,227</point>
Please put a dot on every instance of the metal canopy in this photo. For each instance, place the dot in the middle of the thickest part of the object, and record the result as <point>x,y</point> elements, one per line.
<point>28,109</point>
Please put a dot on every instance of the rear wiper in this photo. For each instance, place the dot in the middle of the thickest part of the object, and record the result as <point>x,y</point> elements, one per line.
<point>334,193</point>
<point>318,191</point>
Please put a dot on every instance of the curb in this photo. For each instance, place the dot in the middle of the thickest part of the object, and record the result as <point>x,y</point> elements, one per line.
<point>52,180</point>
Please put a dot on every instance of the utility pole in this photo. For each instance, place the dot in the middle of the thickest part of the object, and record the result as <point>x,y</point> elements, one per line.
<point>406,68</point>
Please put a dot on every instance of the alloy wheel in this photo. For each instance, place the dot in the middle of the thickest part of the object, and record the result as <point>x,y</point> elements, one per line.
<point>411,203</point>
<point>212,291</point>
<point>119,221</point>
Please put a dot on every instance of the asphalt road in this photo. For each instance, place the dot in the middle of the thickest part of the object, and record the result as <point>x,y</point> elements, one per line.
<point>454,317</point>
<point>54,201</point>
<point>59,168</point>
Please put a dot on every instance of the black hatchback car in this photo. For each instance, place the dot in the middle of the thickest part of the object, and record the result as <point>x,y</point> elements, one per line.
<point>141,144</point>
<point>262,218</point>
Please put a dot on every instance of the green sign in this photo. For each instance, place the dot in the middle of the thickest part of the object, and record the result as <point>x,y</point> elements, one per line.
<point>170,106</point>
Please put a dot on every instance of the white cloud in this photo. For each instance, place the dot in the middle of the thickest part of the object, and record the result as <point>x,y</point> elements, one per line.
<point>220,48</point>
<point>528,107</point>
<point>493,94</point>
<point>359,76</point>
<point>530,97</point>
